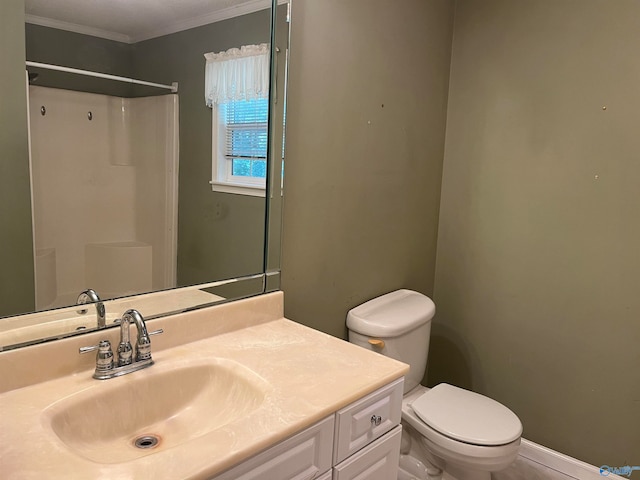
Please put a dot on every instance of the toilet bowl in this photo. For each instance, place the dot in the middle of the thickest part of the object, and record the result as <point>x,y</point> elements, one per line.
<point>446,428</point>
<point>469,439</point>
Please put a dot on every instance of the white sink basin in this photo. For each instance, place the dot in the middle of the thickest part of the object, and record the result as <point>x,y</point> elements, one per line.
<point>172,404</point>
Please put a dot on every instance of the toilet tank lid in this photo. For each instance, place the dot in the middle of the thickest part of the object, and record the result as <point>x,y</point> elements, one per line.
<point>392,314</point>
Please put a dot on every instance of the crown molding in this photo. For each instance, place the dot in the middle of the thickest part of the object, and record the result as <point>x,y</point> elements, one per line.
<point>217,16</point>
<point>74,27</point>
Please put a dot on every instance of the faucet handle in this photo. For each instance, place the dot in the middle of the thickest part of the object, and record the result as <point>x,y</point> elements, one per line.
<point>104,357</point>
<point>93,348</point>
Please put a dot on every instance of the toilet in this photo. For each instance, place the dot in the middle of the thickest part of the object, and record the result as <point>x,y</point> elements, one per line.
<point>449,433</point>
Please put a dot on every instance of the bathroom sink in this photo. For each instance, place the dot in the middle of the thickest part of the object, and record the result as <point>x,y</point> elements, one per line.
<point>149,411</point>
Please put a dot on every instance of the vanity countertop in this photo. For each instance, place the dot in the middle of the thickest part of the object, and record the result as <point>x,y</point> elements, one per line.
<point>308,375</point>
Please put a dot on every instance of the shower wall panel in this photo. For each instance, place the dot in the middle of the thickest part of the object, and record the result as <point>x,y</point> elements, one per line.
<point>154,123</point>
<point>100,175</point>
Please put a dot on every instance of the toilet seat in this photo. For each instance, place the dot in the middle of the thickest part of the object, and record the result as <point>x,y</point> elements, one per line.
<point>466,416</point>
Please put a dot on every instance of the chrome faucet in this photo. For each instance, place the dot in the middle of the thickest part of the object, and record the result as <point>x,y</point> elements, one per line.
<point>105,365</point>
<point>88,296</point>
<point>143,344</point>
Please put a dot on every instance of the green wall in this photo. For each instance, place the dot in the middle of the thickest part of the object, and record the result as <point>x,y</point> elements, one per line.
<point>538,254</point>
<point>539,228</point>
<point>16,252</point>
<point>219,235</point>
<point>75,50</point>
<point>365,137</point>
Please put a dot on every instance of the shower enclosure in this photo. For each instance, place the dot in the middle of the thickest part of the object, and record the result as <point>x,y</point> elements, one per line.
<point>104,178</point>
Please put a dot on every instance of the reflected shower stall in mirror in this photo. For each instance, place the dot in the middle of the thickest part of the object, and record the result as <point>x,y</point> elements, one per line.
<point>124,173</point>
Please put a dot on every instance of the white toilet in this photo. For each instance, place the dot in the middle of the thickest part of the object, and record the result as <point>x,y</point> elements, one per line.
<point>445,429</point>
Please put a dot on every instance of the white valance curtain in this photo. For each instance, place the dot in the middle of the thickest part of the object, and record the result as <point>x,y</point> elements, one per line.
<point>237,74</point>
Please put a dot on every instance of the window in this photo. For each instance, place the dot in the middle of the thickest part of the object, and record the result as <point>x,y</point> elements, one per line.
<point>237,90</point>
<point>240,146</point>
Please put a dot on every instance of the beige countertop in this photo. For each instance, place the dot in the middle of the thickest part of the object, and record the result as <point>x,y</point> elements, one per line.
<point>306,376</point>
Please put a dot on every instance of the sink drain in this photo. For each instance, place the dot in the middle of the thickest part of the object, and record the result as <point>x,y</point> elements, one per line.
<point>146,441</point>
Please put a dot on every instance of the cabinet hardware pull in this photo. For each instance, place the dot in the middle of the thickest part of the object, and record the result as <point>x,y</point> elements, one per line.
<point>376,420</point>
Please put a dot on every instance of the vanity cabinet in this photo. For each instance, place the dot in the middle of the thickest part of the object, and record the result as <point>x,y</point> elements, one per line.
<point>358,442</point>
<point>301,457</point>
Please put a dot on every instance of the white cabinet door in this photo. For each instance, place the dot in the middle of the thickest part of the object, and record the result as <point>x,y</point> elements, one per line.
<point>304,456</point>
<point>326,476</point>
<point>377,461</point>
<point>366,419</point>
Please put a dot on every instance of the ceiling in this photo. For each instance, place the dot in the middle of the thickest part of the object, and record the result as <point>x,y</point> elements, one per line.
<point>131,21</point>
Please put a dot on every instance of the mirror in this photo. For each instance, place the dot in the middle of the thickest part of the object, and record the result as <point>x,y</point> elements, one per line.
<point>131,210</point>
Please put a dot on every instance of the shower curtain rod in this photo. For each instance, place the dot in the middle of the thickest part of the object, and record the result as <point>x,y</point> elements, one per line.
<point>173,87</point>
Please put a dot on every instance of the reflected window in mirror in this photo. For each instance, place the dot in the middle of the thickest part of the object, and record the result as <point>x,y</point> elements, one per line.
<point>237,91</point>
<point>242,139</point>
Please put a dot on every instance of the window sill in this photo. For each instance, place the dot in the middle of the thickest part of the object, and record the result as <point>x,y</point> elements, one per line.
<point>250,190</point>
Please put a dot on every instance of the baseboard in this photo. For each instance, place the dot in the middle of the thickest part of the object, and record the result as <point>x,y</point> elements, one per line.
<point>562,463</point>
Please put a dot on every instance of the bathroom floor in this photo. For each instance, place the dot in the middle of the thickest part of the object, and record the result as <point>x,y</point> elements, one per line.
<point>525,469</point>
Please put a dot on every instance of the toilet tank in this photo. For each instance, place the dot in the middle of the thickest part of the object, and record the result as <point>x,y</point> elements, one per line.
<point>397,325</point>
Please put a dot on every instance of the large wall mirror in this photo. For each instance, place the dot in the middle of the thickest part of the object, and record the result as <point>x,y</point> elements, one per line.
<point>159,189</point>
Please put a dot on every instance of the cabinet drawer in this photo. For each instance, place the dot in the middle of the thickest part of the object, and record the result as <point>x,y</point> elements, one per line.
<point>377,461</point>
<point>367,419</point>
<point>305,456</point>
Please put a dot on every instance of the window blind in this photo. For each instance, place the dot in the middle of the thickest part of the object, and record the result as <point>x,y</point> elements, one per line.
<point>246,133</point>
